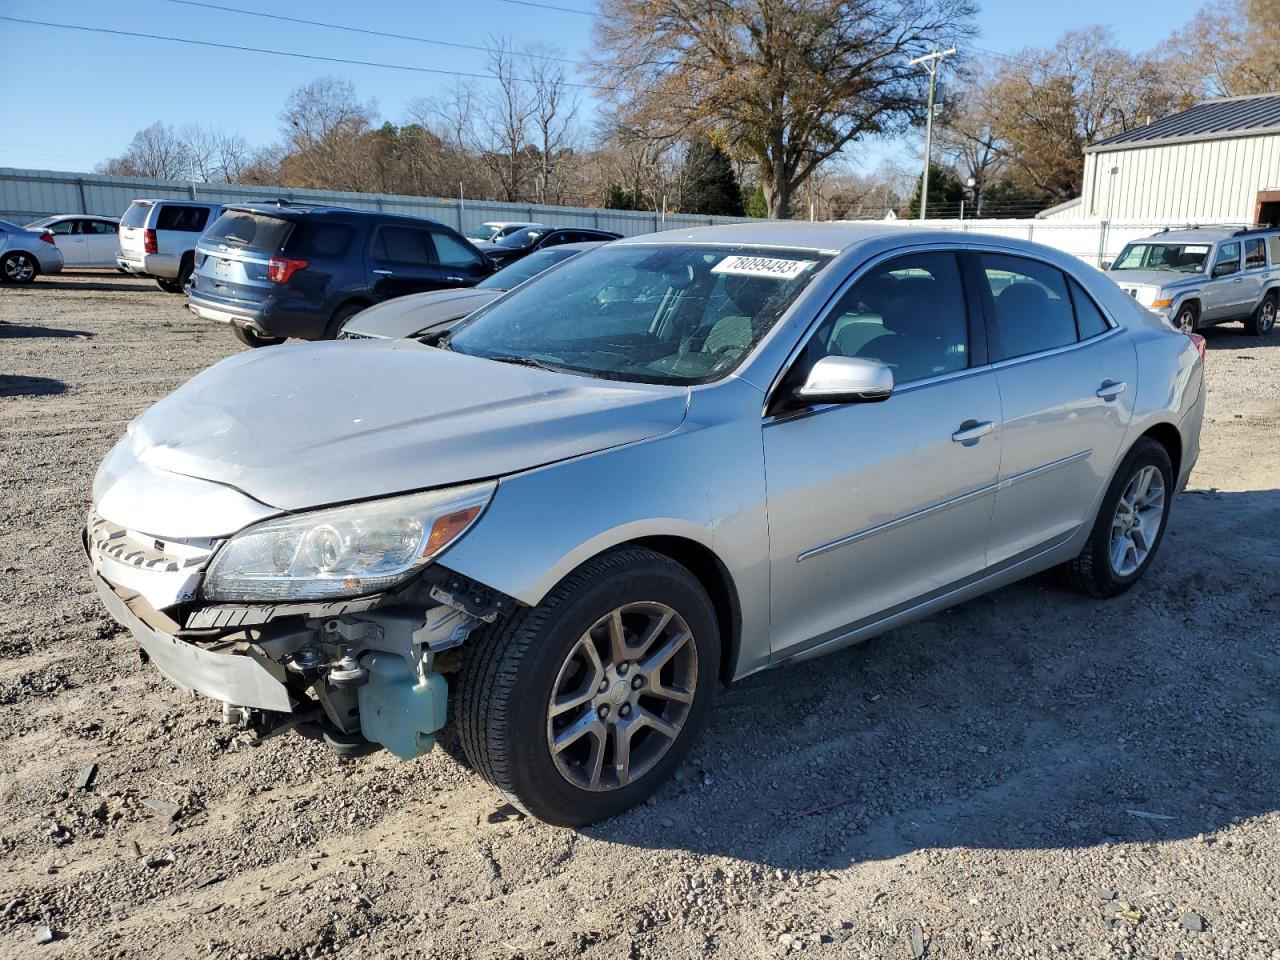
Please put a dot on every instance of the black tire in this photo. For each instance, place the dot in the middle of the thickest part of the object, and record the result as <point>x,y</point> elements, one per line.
<point>168,286</point>
<point>510,669</point>
<point>341,316</point>
<point>187,268</point>
<point>251,339</point>
<point>1263,320</point>
<point>1187,318</point>
<point>19,267</point>
<point>1093,571</point>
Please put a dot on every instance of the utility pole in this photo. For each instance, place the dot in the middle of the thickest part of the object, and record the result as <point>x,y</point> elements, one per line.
<point>934,60</point>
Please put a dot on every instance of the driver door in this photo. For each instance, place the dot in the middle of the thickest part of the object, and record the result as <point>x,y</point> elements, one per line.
<point>874,507</point>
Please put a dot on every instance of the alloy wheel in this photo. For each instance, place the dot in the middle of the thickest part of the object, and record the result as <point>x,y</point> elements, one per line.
<point>1137,521</point>
<point>1267,318</point>
<point>622,696</point>
<point>1186,320</point>
<point>19,268</point>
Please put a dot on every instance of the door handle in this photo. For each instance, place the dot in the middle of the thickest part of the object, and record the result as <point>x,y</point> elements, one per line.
<point>455,279</point>
<point>382,273</point>
<point>972,430</point>
<point>1110,390</point>
<point>1238,280</point>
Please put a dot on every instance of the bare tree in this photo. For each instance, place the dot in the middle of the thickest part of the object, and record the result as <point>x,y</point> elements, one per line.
<point>1227,50</point>
<point>505,118</point>
<point>788,83</point>
<point>324,127</point>
<point>156,151</point>
<point>553,115</point>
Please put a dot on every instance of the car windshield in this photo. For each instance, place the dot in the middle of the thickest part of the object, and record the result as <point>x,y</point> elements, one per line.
<point>654,313</point>
<point>525,237</point>
<point>524,269</point>
<point>484,232</point>
<point>239,228</point>
<point>136,215</point>
<point>1180,257</point>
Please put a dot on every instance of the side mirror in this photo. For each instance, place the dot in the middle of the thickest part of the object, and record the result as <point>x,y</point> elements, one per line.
<point>846,380</point>
<point>1224,269</point>
<point>1106,264</point>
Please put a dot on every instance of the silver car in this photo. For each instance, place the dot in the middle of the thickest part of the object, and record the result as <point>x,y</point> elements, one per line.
<point>1207,275</point>
<point>669,462</point>
<point>26,253</point>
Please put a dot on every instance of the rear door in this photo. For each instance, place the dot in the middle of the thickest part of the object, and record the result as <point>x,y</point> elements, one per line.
<point>1067,379</point>
<point>402,260</point>
<point>1254,275</point>
<point>101,242</point>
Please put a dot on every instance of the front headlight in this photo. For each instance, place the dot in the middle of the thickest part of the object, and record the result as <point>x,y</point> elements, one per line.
<point>342,551</point>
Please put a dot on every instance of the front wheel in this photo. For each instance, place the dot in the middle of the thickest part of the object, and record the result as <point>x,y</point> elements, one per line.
<point>1130,524</point>
<point>1263,320</point>
<point>18,267</point>
<point>582,706</point>
<point>251,338</point>
<point>1187,316</point>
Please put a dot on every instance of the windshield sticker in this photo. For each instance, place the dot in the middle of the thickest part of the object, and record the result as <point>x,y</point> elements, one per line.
<point>762,267</point>
<point>1195,249</point>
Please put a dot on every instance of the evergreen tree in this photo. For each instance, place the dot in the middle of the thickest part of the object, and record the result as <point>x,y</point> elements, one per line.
<point>945,193</point>
<point>709,184</point>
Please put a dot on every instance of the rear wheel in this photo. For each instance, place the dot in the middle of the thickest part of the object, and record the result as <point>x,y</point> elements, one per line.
<point>1187,317</point>
<point>18,267</point>
<point>251,338</point>
<point>582,706</point>
<point>1130,524</point>
<point>168,286</point>
<point>1263,320</point>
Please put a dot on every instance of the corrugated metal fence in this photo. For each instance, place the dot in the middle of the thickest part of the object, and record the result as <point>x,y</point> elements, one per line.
<point>27,195</point>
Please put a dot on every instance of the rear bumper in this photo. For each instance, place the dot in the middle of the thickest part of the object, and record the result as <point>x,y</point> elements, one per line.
<point>161,265</point>
<point>271,318</point>
<point>229,677</point>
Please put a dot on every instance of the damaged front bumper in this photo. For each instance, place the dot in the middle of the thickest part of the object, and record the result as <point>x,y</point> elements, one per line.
<point>369,668</point>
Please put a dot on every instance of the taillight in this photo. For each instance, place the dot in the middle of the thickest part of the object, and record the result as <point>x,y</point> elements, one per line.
<point>149,244</point>
<point>280,269</point>
<point>1200,342</point>
<point>47,237</point>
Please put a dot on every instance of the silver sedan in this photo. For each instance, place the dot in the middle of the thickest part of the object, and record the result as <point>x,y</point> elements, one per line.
<point>26,253</point>
<point>667,463</point>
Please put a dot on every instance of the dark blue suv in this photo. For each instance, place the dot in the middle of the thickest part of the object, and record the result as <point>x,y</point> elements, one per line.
<point>277,270</point>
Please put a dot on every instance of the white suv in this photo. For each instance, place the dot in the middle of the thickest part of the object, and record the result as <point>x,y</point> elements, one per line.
<point>158,239</point>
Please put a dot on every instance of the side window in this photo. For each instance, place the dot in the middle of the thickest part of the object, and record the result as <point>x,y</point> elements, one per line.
<point>1032,309</point>
<point>1255,254</point>
<point>555,239</point>
<point>908,313</point>
<point>452,252</point>
<point>402,245</point>
<point>185,219</point>
<point>309,239</point>
<point>1228,261</point>
<point>99,227</point>
<point>1274,243</point>
<point>63,228</point>
<point>1089,319</point>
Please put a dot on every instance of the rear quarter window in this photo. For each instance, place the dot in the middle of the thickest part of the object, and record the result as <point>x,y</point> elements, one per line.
<point>181,218</point>
<point>136,215</point>
<point>319,239</point>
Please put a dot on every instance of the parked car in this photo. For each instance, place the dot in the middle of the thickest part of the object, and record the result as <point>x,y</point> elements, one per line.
<point>423,313</point>
<point>673,461</point>
<point>25,254</point>
<point>273,271</point>
<point>1207,275</point>
<point>158,239</point>
<point>492,230</point>
<point>83,241</point>
<point>523,242</point>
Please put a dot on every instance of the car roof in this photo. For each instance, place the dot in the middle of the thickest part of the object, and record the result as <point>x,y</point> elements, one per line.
<point>185,203</point>
<point>1206,234</point>
<point>831,236</point>
<point>288,211</point>
<point>512,223</point>
<point>79,216</point>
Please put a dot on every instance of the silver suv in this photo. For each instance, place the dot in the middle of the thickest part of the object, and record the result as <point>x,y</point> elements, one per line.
<point>1206,275</point>
<point>158,239</point>
<point>668,462</point>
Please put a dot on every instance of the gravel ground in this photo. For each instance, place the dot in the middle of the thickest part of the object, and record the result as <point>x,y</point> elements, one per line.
<point>1033,774</point>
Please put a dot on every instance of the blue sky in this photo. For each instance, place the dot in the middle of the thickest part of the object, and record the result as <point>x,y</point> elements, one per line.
<point>89,92</point>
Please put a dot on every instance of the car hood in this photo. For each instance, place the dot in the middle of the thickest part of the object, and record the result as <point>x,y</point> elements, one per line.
<point>405,315</point>
<point>302,426</point>
<point>1153,278</point>
<point>498,250</point>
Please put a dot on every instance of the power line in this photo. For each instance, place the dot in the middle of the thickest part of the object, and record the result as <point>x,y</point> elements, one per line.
<point>346,27</point>
<point>283,53</point>
<point>552,6</point>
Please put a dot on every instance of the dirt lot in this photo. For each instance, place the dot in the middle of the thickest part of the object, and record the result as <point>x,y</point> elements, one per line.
<point>1033,774</point>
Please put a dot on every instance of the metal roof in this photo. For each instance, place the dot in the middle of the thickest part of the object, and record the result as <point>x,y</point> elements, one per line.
<point>1208,120</point>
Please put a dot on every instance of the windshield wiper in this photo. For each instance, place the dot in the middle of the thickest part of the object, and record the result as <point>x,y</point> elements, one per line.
<point>528,362</point>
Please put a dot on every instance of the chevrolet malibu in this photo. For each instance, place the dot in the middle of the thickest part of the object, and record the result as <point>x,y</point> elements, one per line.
<point>665,464</point>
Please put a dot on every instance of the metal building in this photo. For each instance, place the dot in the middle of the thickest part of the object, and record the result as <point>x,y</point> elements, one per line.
<point>1219,160</point>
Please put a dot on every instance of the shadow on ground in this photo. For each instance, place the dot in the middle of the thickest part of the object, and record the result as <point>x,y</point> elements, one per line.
<point>18,386</point>
<point>1232,336</point>
<point>1032,717</point>
<point>17,330</point>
